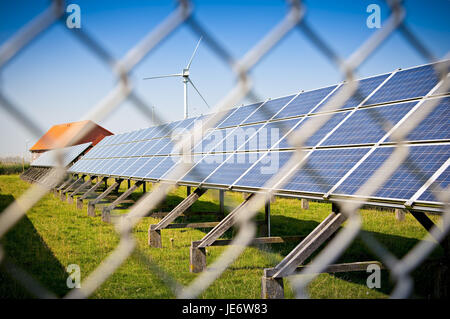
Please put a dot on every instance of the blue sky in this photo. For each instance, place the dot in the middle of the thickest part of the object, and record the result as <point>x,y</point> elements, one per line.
<point>56,79</point>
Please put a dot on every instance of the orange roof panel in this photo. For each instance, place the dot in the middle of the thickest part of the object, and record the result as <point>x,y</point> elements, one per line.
<point>63,135</point>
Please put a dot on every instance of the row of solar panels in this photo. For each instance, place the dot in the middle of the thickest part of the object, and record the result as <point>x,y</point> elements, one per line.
<point>397,86</point>
<point>345,139</point>
<point>321,173</point>
<point>66,155</point>
<point>275,135</point>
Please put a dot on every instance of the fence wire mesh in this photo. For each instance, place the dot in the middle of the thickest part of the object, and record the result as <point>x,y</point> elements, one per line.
<point>400,269</point>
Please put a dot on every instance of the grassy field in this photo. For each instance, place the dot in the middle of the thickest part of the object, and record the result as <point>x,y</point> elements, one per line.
<point>12,168</point>
<point>55,234</point>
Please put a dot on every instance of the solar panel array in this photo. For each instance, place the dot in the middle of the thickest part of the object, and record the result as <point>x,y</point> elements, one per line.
<point>68,155</point>
<point>251,142</point>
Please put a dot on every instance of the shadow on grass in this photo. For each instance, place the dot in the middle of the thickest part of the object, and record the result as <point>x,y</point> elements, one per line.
<point>25,248</point>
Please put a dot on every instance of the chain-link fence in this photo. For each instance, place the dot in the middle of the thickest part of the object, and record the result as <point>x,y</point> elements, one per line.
<point>293,21</point>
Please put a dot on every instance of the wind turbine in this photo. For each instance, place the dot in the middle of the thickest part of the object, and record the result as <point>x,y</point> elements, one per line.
<point>186,79</point>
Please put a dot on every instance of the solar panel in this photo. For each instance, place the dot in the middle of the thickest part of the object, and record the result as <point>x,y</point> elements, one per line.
<point>368,125</point>
<point>240,115</point>
<point>323,169</point>
<point>436,125</point>
<point>149,165</point>
<point>250,144</point>
<point>133,165</point>
<point>266,167</point>
<point>203,167</point>
<point>364,89</point>
<point>406,84</point>
<point>335,119</point>
<point>68,155</point>
<point>404,182</point>
<point>304,102</point>
<point>163,167</point>
<point>268,135</point>
<point>232,168</point>
<point>235,137</point>
<point>269,109</point>
<point>442,181</point>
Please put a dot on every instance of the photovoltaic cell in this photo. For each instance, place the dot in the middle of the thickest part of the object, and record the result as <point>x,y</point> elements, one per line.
<point>368,125</point>
<point>236,137</point>
<point>407,84</point>
<point>163,168</point>
<point>436,125</point>
<point>323,169</point>
<point>240,115</point>
<point>134,165</point>
<point>442,181</point>
<point>232,168</point>
<point>203,167</point>
<point>269,109</point>
<point>365,87</point>
<point>210,140</point>
<point>151,163</point>
<point>269,135</point>
<point>121,165</point>
<point>335,119</point>
<point>405,181</point>
<point>68,155</point>
<point>264,169</point>
<point>304,102</point>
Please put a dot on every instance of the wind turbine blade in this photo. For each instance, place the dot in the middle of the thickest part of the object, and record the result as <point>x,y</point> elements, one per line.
<point>192,57</point>
<point>163,76</point>
<point>189,79</point>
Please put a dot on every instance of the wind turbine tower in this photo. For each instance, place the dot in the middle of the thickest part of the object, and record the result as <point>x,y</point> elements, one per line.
<point>186,80</point>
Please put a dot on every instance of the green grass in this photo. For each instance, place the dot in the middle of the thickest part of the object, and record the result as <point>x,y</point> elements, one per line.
<point>55,234</point>
<point>12,168</point>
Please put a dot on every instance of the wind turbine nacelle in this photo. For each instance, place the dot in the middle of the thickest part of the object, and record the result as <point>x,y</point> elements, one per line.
<point>185,72</point>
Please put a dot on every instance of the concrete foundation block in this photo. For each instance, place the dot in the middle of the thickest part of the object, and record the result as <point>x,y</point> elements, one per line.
<point>305,204</point>
<point>197,259</point>
<point>400,214</point>
<point>79,203</point>
<point>106,215</point>
<point>91,210</point>
<point>272,288</point>
<point>154,237</point>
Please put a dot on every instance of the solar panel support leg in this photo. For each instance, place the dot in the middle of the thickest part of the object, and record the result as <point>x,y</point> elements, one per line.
<point>423,219</point>
<point>197,252</point>
<point>106,211</point>
<point>129,183</point>
<point>78,189</point>
<point>302,251</point>
<point>305,204</point>
<point>154,237</point>
<point>197,258</point>
<point>144,187</point>
<point>400,214</point>
<point>91,204</point>
<point>89,192</point>
<point>65,183</point>
<point>272,288</point>
<point>76,183</point>
<point>169,218</point>
<point>267,218</point>
<point>222,203</point>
